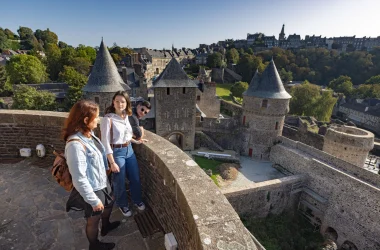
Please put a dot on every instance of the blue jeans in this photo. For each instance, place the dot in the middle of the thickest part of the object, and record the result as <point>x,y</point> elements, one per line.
<point>125,158</point>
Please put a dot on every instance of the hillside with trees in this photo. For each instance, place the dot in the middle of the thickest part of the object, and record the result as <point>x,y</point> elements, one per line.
<point>47,60</point>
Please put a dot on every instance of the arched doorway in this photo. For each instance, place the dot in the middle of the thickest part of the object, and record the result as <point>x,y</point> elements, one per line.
<point>177,139</point>
<point>331,234</point>
<point>348,245</point>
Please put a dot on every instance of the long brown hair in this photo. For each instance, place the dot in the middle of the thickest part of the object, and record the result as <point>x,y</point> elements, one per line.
<point>75,121</point>
<point>128,109</point>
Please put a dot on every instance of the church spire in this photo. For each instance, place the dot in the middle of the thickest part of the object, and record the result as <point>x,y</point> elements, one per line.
<point>282,34</point>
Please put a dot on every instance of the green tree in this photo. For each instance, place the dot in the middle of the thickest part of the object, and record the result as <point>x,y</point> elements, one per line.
<point>10,34</point>
<point>27,97</point>
<point>325,104</point>
<point>67,55</point>
<point>81,65</point>
<point>232,56</point>
<point>86,52</point>
<point>238,89</point>
<point>373,80</point>
<point>248,64</point>
<point>342,84</point>
<point>53,58</point>
<point>250,51</point>
<point>28,40</point>
<point>286,76</point>
<point>5,86</point>
<point>215,60</point>
<point>76,82</point>
<point>25,69</point>
<point>62,45</point>
<point>308,99</point>
<point>367,91</point>
<point>4,42</point>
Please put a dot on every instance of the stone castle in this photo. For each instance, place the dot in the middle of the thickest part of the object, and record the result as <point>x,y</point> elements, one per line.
<point>330,187</point>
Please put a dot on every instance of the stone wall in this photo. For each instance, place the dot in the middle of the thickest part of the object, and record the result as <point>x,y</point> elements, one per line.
<point>184,199</point>
<point>264,198</point>
<point>362,119</point>
<point>349,143</point>
<point>27,129</point>
<point>231,109</point>
<point>306,137</point>
<point>207,100</point>
<point>352,193</point>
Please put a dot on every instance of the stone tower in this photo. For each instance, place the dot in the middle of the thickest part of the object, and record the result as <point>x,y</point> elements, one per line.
<point>350,144</point>
<point>281,37</point>
<point>175,105</point>
<point>265,104</point>
<point>104,80</point>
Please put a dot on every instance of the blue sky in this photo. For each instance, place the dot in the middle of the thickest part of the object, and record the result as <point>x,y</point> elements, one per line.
<point>159,23</point>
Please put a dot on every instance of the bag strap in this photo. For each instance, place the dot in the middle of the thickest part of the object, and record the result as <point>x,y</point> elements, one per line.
<point>80,141</point>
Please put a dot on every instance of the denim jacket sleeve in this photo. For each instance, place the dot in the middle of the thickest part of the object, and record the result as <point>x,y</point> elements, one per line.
<point>76,161</point>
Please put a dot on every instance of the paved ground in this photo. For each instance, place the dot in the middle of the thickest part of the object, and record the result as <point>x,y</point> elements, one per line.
<point>32,215</point>
<point>253,171</point>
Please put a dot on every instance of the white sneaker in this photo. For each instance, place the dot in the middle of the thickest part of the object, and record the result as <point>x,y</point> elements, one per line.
<point>140,206</point>
<point>125,211</point>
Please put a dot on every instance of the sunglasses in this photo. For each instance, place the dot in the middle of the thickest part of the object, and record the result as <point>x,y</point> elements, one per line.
<point>144,111</point>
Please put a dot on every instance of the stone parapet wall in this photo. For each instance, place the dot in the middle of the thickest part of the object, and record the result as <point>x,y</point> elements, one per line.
<point>27,129</point>
<point>184,199</point>
<point>233,109</point>
<point>349,143</point>
<point>264,198</point>
<point>352,202</point>
<point>337,163</point>
<point>308,138</point>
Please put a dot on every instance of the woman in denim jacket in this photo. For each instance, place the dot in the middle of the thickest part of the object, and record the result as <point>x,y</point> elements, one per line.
<point>120,152</point>
<point>87,162</point>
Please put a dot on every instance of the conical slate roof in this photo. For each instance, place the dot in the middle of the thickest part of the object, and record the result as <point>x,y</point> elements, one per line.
<point>104,76</point>
<point>174,76</point>
<point>267,85</point>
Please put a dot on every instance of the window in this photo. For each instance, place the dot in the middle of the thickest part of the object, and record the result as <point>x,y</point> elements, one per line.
<point>168,91</point>
<point>198,97</point>
<point>276,127</point>
<point>183,90</point>
<point>264,104</point>
<point>176,113</point>
<point>168,127</point>
<point>175,126</point>
<point>96,99</point>
<point>157,71</point>
<point>243,120</point>
<point>166,114</point>
<point>186,112</point>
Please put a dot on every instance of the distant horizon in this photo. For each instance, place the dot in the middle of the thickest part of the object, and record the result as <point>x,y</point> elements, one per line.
<point>187,24</point>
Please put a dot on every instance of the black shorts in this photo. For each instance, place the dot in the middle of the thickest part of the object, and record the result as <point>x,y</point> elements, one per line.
<point>77,203</point>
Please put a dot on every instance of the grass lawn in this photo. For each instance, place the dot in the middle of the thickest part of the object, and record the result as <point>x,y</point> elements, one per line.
<point>209,164</point>
<point>223,91</point>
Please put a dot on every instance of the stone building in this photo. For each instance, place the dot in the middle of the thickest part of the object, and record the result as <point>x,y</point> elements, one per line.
<point>350,144</point>
<point>364,113</point>
<point>207,101</point>
<point>104,80</point>
<point>175,106</point>
<point>135,79</point>
<point>265,105</point>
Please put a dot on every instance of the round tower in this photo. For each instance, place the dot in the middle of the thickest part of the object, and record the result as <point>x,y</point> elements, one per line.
<point>265,105</point>
<point>104,80</point>
<point>350,144</point>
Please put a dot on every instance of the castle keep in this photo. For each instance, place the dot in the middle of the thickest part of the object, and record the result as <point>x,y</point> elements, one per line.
<point>265,105</point>
<point>175,102</point>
